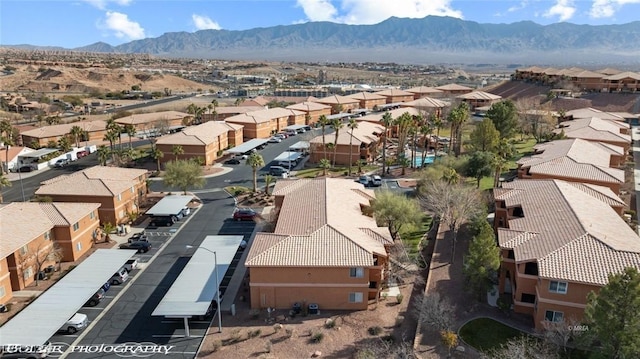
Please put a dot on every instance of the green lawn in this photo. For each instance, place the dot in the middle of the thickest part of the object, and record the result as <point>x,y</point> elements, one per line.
<point>486,334</point>
<point>341,170</point>
<point>413,236</point>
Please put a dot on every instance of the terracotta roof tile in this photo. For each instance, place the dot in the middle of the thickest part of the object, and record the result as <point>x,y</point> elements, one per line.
<point>97,180</point>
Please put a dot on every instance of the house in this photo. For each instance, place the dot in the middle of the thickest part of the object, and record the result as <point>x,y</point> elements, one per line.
<point>155,120</point>
<point>264,123</point>
<point>616,133</point>
<point>36,235</point>
<point>622,82</point>
<point>559,241</point>
<point>324,249</point>
<point>479,99</point>
<point>40,136</point>
<point>339,103</point>
<point>362,144</point>
<point>222,112</point>
<point>369,100</point>
<point>396,95</point>
<point>10,154</point>
<point>118,190</point>
<point>589,112</point>
<point>575,160</point>
<point>451,90</point>
<point>376,118</point>
<point>313,111</point>
<point>427,105</point>
<point>424,91</point>
<point>205,141</point>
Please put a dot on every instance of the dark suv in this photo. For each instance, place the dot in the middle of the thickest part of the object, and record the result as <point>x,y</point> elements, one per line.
<point>97,297</point>
<point>165,221</point>
<point>140,246</point>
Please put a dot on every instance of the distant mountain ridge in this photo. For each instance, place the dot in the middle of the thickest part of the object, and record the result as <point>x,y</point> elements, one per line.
<point>400,40</point>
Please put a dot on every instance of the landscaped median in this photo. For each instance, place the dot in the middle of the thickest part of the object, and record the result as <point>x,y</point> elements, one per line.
<point>486,334</point>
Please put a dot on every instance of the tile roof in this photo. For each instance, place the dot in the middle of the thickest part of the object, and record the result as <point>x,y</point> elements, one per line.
<point>377,117</point>
<point>320,224</point>
<point>93,181</point>
<point>22,222</point>
<point>424,89</point>
<point>572,234</point>
<point>141,118</point>
<point>237,109</point>
<point>264,115</point>
<point>573,158</point>
<point>595,129</point>
<point>367,96</point>
<point>202,134</point>
<point>479,95</point>
<point>364,133</point>
<point>337,100</point>
<point>427,102</point>
<point>308,106</point>
<point>65,128</point>
<point>394,92</point>
<point>624,75</point>
<point>589,112</point>
<point>454,87</point>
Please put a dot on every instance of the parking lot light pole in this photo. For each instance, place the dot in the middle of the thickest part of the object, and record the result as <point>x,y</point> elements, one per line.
<point>215,260</point>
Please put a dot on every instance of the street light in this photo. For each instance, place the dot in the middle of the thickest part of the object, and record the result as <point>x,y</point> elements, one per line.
<point>215,260</point>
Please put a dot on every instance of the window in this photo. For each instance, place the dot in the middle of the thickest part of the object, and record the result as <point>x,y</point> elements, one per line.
<point>2,291</point>
<point>27,273</point>
<point>355,297</point>
<point>528,298</point>
<point>553,316</point>
<point>558,287</point>
<point>120,197</point>
<point>79,246</point>
<point>24,249</point>
<point>47,235</point>
<point>132,189</point>
<point>76,226</point>
<point>531,268</point>
<point>356,272</point>
<point>92,215</point>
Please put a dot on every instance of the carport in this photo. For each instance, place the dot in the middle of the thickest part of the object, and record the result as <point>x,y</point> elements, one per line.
<point>300,146</point>
<point>170,205</point>
<point>247,146</point>
<point>197,285</point>
<point>41,319</point>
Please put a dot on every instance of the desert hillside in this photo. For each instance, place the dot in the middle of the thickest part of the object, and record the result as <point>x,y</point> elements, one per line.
<point>87,80</point>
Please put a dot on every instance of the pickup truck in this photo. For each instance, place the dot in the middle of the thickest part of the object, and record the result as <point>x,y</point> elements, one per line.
<point>131,264</point>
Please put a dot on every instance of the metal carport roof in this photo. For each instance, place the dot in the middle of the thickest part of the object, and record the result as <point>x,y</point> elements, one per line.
<point>195,288</point>
<point>170,205</point>
<point>248,146</point>
<point>300,145</point>
<point>287,156</point>
<point>41,319</point>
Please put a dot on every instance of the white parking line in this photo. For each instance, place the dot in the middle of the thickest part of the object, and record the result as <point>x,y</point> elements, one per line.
<point>176,336</point>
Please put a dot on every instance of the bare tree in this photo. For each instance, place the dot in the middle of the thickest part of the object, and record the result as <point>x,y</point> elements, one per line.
<point>523,347</point>
<point>435,312</point>
<point>453,203</point>
<point>560,334</point>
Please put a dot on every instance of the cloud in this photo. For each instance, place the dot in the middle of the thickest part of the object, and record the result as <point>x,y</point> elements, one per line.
<point>608,8</point>
<point>357,12</point>
<point>122,26</point>
<point>102,4</point>
<point>519,6</point>
<point>564,9</point>
<point>202,22</point>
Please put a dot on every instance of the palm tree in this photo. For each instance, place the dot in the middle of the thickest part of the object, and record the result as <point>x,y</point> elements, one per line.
<point>425,130</point>
<point>115,130</point>
<point>156,154</point>
<point>131,131</point>
<point>336,124</point>
<point>457,117</point>
<point>323,121</point>
<point>64,144</point>
<point>6,137</point>
<point>353,124</point>
<point>325,164</point>
<point>177,150</point>
<point>255,161</point>
<point>111,137</point>
<point>386,121</point>
<point>330,148</point>
<point>4,182</point>
<point>503,152</point>
<point>76,134</point>
<point>268,180</point>
<point>103,155</point>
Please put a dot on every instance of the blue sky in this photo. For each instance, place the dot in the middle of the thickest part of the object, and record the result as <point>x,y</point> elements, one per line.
<point>82,22</point>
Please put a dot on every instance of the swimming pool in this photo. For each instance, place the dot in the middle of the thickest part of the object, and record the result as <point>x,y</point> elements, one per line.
<point>418,160</point>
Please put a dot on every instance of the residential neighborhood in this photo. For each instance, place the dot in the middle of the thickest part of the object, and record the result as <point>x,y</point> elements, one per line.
<point>450,218</point>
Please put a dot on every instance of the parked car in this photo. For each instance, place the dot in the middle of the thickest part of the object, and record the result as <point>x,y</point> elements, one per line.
<point>244,214</point>
<point>365,180</point>
<point>282,135</point>
<point>186,211</point>
<point>291,132</point>
<point>61,163</point>
<point>81,154</point>
<point>95,299</point>
<point>165,221</point>
<point>275,139</point>
<point>243,244</point>
<point>277,170</point>
<point>243,156</point>
<point>25,169</point>
<point>140,246</point>
<point>232,161</point>
<point>140,236</point>
<point>106,286</point>
<point>376,181</point>
<point>131,264</point>
<point>119,277</point>
<point>77,322</point>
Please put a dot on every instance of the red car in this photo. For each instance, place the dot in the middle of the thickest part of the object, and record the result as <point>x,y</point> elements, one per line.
<point>81,154</point>
<point>244,214</point>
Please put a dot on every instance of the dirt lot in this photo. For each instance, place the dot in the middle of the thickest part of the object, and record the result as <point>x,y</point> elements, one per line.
<point>254,335</point>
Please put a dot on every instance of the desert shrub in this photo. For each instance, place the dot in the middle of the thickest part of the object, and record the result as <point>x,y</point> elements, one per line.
<point>330,323</point>
<point>289,332</point>
<point>254,333</point>
<point>277,327</point>
<point>375,330</point>
<point>317,337</point>
<point>217,344</point>
<point>399,298</point>
<point>267,346</point>
<point>236,336</point>
<point>366,353</point>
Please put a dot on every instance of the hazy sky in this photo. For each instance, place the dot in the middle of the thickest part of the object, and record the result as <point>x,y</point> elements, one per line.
<point>82,22</point>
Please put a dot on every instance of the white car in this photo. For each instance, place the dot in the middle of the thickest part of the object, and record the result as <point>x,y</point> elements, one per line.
<point>131,264</point>
<point>241,157</point>
<point>79,321</point>
<point>275,139</point>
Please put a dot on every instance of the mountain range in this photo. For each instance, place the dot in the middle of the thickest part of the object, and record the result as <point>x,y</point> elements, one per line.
<point>401,40</point>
